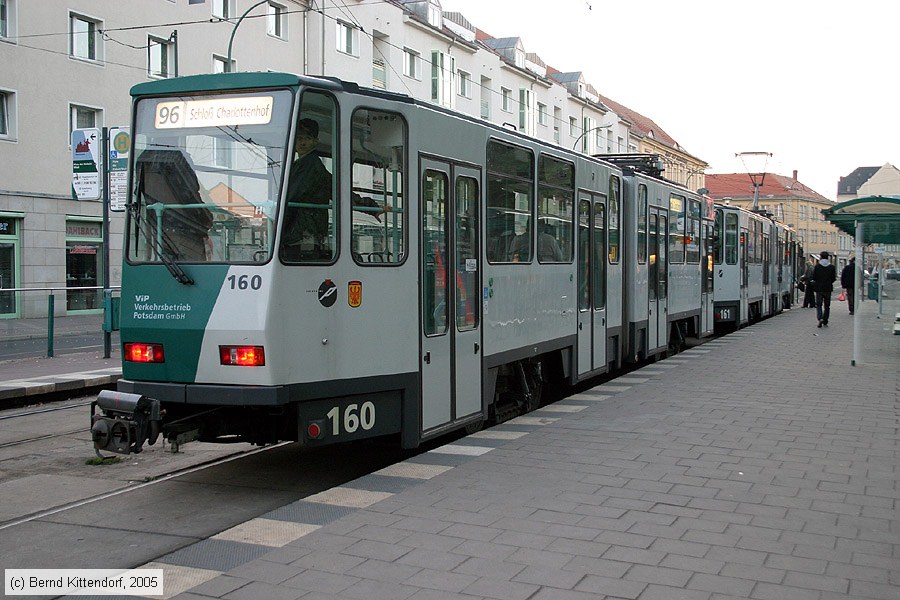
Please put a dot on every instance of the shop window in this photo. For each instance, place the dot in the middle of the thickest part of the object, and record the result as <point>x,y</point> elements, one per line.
<point>83,265</point>
<point>8,277</point>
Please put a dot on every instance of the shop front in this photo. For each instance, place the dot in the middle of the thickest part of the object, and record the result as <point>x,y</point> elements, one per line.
<point>84,258</point>
<point>9,265</point>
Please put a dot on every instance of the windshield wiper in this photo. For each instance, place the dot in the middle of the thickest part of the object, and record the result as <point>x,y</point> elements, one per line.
<point>158,243</point>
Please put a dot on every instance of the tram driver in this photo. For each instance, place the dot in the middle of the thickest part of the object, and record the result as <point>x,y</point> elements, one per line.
<point>306,227</point>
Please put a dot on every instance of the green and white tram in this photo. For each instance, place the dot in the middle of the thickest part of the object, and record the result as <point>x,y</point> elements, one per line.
<point>309,260</point>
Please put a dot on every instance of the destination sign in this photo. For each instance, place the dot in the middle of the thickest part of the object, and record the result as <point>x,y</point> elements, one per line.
<point>252,110</point>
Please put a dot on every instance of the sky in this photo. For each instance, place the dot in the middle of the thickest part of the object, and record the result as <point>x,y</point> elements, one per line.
<point>812,82</point>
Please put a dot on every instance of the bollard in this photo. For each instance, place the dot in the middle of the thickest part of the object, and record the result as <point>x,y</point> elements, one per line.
<point>51,299</point>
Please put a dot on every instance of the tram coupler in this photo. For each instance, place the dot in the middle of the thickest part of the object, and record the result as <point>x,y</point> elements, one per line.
<point>125,422</point>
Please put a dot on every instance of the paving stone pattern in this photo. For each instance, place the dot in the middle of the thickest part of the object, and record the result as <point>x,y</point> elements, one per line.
<point>761,465</point>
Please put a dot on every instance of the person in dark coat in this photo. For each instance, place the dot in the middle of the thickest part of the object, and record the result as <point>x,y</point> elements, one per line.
<point>809,294</point>
<point>310,183</point>
<point>823,278</point>
<point>848,278</point>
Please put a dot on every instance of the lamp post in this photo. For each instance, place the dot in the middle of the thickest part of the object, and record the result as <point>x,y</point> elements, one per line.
<point>233,31</point>
<point>587,131</point>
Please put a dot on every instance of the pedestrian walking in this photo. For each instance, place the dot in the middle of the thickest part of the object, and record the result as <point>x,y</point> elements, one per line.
<point>823,277</point>
<point>848,279</point>
<point>809,294</point>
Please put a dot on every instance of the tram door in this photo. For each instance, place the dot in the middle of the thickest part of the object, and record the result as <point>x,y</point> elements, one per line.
<point>591,282</point>
<point>451,303</point>
<point>707,318</point>
<point>657,325</point>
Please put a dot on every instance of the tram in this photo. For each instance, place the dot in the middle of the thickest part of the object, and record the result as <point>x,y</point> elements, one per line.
<point>309,260</point>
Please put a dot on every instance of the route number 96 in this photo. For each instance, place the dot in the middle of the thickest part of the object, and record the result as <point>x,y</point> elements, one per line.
<point>354,417</point>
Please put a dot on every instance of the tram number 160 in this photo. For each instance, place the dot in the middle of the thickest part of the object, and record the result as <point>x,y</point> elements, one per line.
<point>355,416</point>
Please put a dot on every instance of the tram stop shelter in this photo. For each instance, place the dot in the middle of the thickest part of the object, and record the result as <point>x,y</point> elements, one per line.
<point>870,220</point>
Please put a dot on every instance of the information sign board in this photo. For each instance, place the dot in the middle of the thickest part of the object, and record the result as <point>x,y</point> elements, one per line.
<point>85,164</point>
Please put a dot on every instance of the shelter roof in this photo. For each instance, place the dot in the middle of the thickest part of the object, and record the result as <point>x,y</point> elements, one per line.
<point>879,216</point>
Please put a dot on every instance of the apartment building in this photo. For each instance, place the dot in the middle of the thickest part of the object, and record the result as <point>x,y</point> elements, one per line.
<point>66,66</point>
<point>787,199</point>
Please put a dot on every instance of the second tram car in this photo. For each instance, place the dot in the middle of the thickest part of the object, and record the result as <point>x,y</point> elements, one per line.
<point>309,260</point>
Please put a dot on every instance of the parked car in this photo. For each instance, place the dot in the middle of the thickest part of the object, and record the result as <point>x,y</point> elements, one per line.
<point>891,274</point>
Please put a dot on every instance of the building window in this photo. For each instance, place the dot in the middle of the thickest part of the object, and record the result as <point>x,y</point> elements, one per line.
<point>276,20</point>
<point>486,98</point>
<point>465,84</point>
<point>586,143</point>
<point>443,67</point>
<point>4,19</point>
<point>7,19</point>
<point>83,117</point>
<point>542,113</point>
<point>221,64</point>
<point>160,57</point>
<point>412,63</point>
<point>84,34</point>
<point>526,111</point>
<point>435,15</point>
<point>505,99</point>
<point>347,39</point>
<point>7,115</point>
<point>224,9</point>
<point>573,126</point>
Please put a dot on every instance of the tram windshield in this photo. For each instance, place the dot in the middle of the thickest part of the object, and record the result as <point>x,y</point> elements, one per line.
<point>207,175</point>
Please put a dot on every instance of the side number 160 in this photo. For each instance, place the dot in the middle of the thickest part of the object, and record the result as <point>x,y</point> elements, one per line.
<point>355,416</point>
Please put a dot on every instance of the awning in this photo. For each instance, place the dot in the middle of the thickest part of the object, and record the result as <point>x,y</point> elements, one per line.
<point>879,216</point>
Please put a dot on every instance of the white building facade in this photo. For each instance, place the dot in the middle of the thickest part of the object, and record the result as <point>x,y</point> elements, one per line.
<point>71,65</point>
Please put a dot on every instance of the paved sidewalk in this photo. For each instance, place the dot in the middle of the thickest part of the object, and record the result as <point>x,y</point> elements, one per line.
<point>34,380</point>
<point>761,465</point>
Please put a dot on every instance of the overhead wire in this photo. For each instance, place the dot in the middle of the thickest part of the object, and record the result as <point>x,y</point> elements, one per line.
<point>343,9</point>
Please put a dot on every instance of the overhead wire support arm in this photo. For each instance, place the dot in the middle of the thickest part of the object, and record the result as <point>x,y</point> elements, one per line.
<point>233,31</point>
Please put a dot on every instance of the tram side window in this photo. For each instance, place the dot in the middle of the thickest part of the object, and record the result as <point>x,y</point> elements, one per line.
<point>584,248</point>
<point>556,195</point>
<point>731,239</point>
<point>653,270</point>
<point>642,225</point>
<point>692,235</point>
<point>751,243</point>
<point>598,276</point>
<point>677,226</point>
<point>718,237</point>
<point>378,215</point>
<point>467,253</point>
<point>613,223</point>
<point>309,230</point>
<point>434,245</point>
<point>510,203</point>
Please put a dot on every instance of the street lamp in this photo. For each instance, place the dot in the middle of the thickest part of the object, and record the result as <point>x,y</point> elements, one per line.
<point>587,131</point>
<point>233,31</point>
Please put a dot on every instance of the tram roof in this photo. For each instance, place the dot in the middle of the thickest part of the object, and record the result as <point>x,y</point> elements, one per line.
<point>230,81</point>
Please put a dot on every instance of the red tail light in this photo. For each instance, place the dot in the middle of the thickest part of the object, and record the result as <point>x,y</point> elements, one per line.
<point>144,353</point>
<point>242,356</point>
